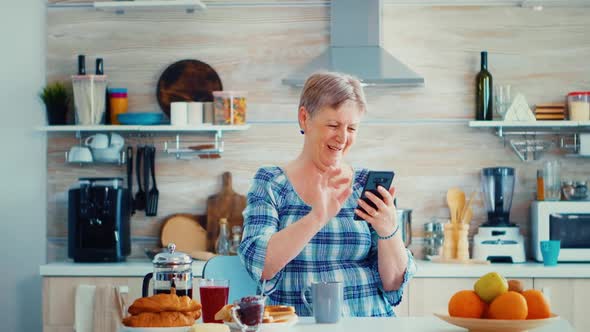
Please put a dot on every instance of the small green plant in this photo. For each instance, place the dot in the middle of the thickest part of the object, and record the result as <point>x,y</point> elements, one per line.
<point>56,98</point>
<point>55,94</point>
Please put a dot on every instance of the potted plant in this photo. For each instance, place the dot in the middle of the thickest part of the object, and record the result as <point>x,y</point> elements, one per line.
<point>56,98</point>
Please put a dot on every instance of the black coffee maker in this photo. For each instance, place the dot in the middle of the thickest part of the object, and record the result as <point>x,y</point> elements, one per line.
<point>99,211</point>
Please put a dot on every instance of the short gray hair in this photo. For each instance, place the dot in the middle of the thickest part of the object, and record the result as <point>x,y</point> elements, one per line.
<point>331,89</point>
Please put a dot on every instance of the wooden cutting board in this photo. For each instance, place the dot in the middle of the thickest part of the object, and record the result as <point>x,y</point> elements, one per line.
<point>187,80</point>
<point>226,204</point>
<point>185,232</point>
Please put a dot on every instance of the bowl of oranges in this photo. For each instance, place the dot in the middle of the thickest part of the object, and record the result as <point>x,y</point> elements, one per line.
<point>497,304</point>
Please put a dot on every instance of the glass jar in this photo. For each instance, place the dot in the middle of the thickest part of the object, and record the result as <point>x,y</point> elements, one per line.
<point>229,107</point>
<point>579,106</point>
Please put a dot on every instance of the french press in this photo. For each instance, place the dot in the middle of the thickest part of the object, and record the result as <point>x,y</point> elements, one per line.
<point>171,269</point>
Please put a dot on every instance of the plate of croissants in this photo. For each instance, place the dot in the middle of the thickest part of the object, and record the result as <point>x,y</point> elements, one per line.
<point>162,312</point>
<point>276,317</point>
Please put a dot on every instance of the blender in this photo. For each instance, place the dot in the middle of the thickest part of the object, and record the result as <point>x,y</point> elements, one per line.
<point>498,240</point>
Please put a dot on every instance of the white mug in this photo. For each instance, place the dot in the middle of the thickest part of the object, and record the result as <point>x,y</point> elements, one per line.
<point>97,141</point>
<point>79,154</point>
<point>116,140</point>
<point>178,113</point>
<point>195,113</point>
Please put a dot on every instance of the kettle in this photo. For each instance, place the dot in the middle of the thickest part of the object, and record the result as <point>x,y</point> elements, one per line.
<point>171,269</point>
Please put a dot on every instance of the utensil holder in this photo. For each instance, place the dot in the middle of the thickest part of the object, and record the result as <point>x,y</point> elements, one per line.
<point>89,98</point>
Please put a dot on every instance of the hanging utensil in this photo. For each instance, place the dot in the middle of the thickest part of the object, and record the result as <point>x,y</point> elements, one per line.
<point>153,194</point>
<point>130,178</point>
<point>140,195</point>
<point>146,174</point>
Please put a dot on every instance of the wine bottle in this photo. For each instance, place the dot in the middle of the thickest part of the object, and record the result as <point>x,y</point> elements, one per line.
<point>484,100</point>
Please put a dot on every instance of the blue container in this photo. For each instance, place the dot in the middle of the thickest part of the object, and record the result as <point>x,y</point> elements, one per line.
<point>550,252</point>
<point>148,118</point>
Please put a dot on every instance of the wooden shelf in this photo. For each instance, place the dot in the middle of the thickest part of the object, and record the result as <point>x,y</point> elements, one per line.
<point>138,128</point>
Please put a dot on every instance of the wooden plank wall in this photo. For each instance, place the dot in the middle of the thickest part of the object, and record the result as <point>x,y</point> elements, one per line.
<point>421,133</point>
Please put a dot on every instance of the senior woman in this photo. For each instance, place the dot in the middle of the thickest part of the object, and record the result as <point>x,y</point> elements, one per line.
<point>299,222</point>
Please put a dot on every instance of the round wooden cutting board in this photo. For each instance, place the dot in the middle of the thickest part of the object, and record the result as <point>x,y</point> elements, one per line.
<point>187,80</point>
<point>185,231</point>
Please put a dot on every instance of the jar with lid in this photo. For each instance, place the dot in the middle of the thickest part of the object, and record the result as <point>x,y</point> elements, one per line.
<point>171,269</point>
<point>229,107</point>
<point>579,105</point>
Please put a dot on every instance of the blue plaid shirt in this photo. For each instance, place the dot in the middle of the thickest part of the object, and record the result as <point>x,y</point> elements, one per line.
<point>343,250</point>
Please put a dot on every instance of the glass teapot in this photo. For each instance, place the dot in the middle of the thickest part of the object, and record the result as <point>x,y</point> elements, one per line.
<point>171,269</point>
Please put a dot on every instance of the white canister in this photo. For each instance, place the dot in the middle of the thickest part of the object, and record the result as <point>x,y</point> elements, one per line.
<point>178,113</point>
<point>195,113</point>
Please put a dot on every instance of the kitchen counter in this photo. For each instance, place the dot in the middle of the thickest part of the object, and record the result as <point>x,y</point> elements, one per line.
<point>414,324</point>
<point>426,269</point>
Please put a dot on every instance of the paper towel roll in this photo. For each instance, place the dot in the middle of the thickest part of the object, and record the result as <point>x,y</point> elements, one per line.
<point>195,113</point>
<point>178,113</point>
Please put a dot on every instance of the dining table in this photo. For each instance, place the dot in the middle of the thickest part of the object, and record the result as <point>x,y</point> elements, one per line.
<point>398,324</point>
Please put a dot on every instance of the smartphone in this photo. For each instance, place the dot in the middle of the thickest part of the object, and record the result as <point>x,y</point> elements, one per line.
<point>374,179</point>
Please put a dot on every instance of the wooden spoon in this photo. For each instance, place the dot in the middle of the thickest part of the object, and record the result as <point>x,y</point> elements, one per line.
<point>467,207</point>
<point>456,202</point>
<point>467,215</point>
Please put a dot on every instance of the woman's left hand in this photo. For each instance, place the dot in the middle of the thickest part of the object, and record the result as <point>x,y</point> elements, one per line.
<point>384,217</point>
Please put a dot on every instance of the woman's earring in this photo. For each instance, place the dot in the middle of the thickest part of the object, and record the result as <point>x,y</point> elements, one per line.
<point>302,132</point>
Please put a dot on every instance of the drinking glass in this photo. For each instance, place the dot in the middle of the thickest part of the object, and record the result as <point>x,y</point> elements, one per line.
<point>214,294</point>
<point>551,173</point>
<point>248,313</point>
<point>503,99</point>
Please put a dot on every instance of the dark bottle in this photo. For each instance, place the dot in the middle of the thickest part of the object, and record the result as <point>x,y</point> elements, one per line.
<point>81,64</point>
<point>484,100</point>
<point>99,67</point>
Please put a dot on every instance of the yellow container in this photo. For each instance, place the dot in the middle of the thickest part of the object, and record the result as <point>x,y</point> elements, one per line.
<point>118,104</point>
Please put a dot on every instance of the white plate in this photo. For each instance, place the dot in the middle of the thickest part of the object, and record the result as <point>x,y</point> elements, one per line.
<point>268,327</point>
<point>124,328</point>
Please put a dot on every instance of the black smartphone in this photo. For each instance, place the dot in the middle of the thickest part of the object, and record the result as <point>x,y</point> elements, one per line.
<point>374,180</point>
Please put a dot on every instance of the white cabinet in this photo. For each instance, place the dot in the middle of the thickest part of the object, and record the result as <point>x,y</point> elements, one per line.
<point>59,295</point>
<point>431,295</point>
<point>568,299</point>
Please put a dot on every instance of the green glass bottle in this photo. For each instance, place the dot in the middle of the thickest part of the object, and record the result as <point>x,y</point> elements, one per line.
<point>484,101</point>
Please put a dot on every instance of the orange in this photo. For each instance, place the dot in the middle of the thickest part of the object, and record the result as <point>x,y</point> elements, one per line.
<point>515,285</point>
<point>510,305</point>
<point>537,304</point>
<point>466,303</point>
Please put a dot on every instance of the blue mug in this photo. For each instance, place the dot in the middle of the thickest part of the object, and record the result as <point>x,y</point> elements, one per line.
<point>327,301</point>
<point>550,252</point>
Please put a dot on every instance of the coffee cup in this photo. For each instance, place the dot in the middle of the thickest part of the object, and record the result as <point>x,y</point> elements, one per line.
<point>248,313</point>
<point>327,301</point>
<point>97,141</point>
<point>116,140</point>
<point>79,154</point>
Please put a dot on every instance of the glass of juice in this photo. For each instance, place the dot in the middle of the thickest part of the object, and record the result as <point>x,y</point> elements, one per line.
<point>214,294</point>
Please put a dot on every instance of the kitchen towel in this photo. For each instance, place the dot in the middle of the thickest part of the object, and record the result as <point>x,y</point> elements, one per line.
<point>84,308</point>
<point>106,311</point>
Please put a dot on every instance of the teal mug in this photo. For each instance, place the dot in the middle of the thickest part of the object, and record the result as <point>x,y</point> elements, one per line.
<point>550,252</point>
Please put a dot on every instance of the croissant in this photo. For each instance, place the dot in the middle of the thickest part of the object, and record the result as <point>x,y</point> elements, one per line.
<point>160,319</point>
<point>164,302</point>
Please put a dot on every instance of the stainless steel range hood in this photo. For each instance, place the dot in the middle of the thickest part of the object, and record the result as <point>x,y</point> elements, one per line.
<point>355,48</point>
